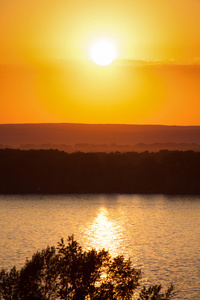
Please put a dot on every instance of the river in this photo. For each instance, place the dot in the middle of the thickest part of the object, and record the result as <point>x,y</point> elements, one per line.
<point>161,234</point>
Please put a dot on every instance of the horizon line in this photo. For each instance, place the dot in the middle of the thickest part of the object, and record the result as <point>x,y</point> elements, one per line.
<point>98,124</point>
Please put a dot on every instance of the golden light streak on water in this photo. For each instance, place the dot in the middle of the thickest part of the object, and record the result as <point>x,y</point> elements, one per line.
<point>104,233</point>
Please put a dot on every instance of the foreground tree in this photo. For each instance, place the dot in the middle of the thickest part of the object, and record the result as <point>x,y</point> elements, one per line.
<point>67,272</point>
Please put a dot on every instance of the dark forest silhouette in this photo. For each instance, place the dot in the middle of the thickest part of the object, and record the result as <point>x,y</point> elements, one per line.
<point>53,171</point>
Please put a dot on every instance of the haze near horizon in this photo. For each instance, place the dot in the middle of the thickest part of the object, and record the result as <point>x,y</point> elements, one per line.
<point>55,66</point>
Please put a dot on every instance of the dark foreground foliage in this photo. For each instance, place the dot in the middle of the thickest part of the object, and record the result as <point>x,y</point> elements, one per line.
<point>52,171</point>
<point>67,272</point>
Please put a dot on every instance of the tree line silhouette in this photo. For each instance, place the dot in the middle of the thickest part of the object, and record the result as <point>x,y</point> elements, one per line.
<point>53,171</point>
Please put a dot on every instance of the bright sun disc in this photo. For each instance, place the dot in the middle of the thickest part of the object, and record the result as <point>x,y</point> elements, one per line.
<point>103,52</point>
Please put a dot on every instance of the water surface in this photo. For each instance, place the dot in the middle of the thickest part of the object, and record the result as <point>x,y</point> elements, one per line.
<point>160,234</point>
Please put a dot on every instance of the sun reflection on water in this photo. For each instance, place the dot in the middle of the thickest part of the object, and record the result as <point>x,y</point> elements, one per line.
<point>105,233</point>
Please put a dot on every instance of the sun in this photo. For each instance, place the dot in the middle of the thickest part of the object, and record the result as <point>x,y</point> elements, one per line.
<point>103,52</point>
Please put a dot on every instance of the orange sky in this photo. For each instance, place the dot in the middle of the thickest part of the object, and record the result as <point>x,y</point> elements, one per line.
<point>46,74</point>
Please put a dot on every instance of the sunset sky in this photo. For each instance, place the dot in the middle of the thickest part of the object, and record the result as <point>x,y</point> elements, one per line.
<point>47,74</point>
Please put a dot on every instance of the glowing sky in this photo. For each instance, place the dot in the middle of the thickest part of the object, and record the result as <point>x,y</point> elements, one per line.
<point>46,74</point>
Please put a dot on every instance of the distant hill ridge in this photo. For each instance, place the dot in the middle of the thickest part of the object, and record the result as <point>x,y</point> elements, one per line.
<point>70,133</point>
